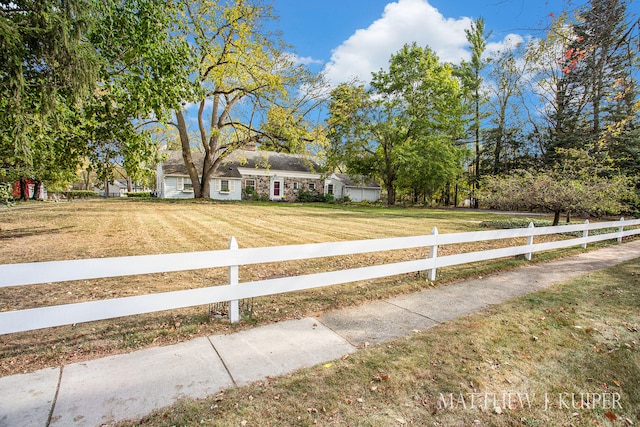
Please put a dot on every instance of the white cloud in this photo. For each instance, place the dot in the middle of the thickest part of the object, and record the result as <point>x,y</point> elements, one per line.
<point>403,21</point>
<point>510,42</point>
<point>307,60</point>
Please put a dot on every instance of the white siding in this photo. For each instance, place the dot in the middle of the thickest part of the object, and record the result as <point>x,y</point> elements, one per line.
<point>338,188</point>
<point>171,190</point>
<point>234,193</point>
<point>355,194</point>
<point>360,194</point>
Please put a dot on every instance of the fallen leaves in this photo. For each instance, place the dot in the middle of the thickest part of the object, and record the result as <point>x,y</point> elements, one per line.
<point>381,377</point>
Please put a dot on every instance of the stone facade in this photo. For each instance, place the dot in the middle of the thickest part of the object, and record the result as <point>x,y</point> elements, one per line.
<point>289,192</point>
<point>262,184</point>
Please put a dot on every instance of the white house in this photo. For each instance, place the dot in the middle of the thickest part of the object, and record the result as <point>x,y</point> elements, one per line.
<point>357,188</point>
<point>115,188</point>
<point>261,174</point>
<point>276,176</point>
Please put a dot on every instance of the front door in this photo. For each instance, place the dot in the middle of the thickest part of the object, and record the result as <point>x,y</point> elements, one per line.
<point>276,190</point>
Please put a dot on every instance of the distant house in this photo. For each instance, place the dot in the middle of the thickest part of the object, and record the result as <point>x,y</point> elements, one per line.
<point>115,188</point>
<point>356,188</point>
<point>275,176</point>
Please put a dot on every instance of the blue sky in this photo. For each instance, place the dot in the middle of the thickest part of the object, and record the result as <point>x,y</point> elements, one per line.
<point>352,38</point>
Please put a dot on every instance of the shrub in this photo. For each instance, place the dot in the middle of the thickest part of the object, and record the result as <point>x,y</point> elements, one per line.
<point>306,196</point>
<point>6,198</point>
<point>249,193</point>
<point>139,195</point>
<point>515,223</point>
<point>524,223</point>
<point>79,194</point>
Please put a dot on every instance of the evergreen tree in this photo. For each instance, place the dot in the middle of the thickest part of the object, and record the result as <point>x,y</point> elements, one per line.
<point>472,82</point>
<point>47,67</point>
<point>599,63</point>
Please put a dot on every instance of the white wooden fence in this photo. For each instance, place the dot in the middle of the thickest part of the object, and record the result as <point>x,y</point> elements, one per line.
<point>59,271</point>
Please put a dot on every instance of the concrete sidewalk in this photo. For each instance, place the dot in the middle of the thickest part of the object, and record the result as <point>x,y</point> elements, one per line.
<point>132,385</point>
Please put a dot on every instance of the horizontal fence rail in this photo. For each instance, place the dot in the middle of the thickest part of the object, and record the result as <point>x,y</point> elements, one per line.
<point>60,271</point>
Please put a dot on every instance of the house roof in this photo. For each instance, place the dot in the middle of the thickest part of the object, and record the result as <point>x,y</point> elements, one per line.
<point>355,180</point>
<point>174,164</point>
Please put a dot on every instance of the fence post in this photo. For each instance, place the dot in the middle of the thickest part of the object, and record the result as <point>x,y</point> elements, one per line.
<point>620,229</point>
<point>585,234</point>
<point>234,311</point>
<point>433,255</point>
<point>529,255</point>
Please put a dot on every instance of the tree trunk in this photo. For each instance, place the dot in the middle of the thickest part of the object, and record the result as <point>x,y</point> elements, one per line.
<point>24,189</point>
<point>205,188</point>
<point>186,156</point>
<point>391,194</point>
<point>37,189</point>
<point>476,181</point>
<point>497,152</point>
<point>455,196</point>
<point>556,218</point>
<point>85,180</point>
<point>447,194</point>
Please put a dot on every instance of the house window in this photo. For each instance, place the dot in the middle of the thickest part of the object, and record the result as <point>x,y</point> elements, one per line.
<point>184,184</point>
<point>250,184</point>
<point>296,186</point>
<point>312,186</point>
<point>330,189</point>
<point>224,185</point>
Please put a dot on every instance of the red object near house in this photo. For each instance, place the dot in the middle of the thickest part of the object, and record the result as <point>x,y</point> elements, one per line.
<point>29,188</point>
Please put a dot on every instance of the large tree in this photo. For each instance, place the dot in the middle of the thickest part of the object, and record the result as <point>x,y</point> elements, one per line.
<point>78,78</point>
<point>245,87</point>
<point>505,146</point>
<point>403,128</point>
<point>363,135</point>
<point>141,79</point>
<point>606,46</point>
<point>471,73</point>
<point>47,67</point>
<point>587,73</point>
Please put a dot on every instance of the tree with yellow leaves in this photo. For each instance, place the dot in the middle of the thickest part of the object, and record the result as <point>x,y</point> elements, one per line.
<point>246,87</point>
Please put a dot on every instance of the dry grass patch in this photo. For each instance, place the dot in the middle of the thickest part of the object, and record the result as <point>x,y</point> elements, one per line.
<point>33,232</point>
<point>539,360</point>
